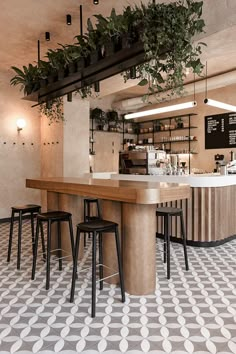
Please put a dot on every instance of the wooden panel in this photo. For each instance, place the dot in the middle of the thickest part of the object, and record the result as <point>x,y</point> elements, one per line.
<point>209,214</point>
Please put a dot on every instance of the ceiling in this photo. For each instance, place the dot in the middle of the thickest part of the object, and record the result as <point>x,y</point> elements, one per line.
<point>24,22</point>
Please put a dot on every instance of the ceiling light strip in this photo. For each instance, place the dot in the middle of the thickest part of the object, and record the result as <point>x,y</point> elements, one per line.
<point>219,104</point>
<point>150,112</point>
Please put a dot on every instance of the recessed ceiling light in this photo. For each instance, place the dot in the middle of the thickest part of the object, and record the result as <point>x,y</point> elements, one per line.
<point>68,19</point>
<point>47,36</point>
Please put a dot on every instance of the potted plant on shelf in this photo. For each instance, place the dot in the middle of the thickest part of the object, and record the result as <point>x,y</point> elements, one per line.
<point>27,78</point>
<point>99,116</point>
<point>179,122</point>
<point>57,61</point>
<point>113,120</point>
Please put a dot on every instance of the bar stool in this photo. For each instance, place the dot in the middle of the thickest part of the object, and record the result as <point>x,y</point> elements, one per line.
<point>167,213</point>
<point>89,213</point>
<point>97,227</point>
<point>21,210</point>
<point>51,217</point>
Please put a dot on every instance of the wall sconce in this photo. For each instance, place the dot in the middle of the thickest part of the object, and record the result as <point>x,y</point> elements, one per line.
<point>68,19</point>
<point>96,2</point>
<point>47,36</point>
<point>20,123</point>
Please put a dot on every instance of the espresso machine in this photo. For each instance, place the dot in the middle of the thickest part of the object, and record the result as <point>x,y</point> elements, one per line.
<point>219,161</point>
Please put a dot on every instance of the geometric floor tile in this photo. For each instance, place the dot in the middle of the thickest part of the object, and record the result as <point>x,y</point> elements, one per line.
<point>193,312</point>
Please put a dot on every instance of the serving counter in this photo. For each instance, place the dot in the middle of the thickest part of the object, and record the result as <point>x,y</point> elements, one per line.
<point>132,204</point>
<point>210,212</point>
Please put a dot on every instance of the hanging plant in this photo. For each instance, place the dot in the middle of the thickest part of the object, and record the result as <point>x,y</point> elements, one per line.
<point>86,91</point>
<point>167,35</point>
<point>53,110</point>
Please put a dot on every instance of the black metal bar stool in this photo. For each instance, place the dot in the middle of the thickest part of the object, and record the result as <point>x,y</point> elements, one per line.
<point>21,210</point>
<point>97,227</point>
<point>92,211</point>
<point>167,213</point>
<point>51,217</point>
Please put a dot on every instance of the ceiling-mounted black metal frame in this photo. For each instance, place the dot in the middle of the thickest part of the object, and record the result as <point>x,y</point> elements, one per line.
<point>103,69</point>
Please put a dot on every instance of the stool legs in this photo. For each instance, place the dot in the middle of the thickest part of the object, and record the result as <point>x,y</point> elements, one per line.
<point>32,230</point>
<point>100,262</point>
<point>184,241</point>
<point>48,254</point>
<point>10,236</point>
<point>19,240</point>
<point>75,260</point>
<point>39,225</point>
<point>94,275</point>
<point>35,250</point>
<point>94,234</point>
<point>121,276</point>
<point>59,252</point>
<point>167,239</point>
<point>167,222</point>
<point>71,235</point>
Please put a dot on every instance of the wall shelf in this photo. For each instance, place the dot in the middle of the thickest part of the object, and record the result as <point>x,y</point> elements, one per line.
<point>169,124</point>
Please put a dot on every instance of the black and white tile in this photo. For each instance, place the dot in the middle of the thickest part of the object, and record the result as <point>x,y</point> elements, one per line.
<point>193,312</point>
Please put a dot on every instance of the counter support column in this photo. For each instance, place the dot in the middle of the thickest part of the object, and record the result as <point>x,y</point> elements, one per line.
<point>139,248</point>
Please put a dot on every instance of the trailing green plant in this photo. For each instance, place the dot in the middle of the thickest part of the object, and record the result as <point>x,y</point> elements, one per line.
<point>167,34</point>
<point>53,110</point>
<point>27,78</point>
<point>85,91</point>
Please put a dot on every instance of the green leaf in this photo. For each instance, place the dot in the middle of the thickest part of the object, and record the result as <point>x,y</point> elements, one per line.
<point>143,82</point>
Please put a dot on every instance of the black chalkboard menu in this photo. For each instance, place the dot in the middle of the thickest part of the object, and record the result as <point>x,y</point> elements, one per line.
<point>220,131</point>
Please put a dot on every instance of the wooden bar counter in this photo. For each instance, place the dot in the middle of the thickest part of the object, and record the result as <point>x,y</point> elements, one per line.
<point>132,204</point>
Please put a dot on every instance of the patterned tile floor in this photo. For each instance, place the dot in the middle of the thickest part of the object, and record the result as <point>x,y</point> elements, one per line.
<point>193,312</point>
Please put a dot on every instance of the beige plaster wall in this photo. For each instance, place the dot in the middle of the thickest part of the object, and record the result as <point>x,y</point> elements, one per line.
<point>76,137</point>
<point>65,145</point>
<point>19,152</point>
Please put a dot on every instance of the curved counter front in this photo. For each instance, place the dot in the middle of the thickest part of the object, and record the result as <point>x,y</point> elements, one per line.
<point>210,212</point>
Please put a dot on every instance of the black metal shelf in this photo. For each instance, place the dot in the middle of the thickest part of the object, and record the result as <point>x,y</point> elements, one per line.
<point>167,130</point>
<point>174,141</point>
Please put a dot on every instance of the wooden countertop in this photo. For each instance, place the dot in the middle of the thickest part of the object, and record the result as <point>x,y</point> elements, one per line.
<point>136,192</point>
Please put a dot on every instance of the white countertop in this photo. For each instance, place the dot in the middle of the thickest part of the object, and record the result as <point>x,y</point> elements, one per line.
<point>201,180</point>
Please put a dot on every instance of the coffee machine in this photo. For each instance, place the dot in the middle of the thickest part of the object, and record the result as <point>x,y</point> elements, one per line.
<point>219,161</point>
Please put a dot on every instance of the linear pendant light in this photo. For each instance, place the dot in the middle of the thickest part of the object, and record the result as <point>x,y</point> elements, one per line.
<point>150,112</point>
<point>219,104</point>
